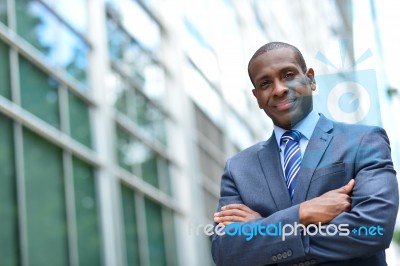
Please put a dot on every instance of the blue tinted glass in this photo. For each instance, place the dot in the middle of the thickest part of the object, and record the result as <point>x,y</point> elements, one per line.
<point>8,199</point>
<point>135,62</point>
<point>73,11</point>
<point>138,23</point>
<point>127,53</point>
<point>45,202</point>
<point>62,47</point>
<point>3,11</point>
<point>39,93</point>
<point>5,75</point>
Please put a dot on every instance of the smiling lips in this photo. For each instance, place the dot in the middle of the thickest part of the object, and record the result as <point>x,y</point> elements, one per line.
<point>285,105</point>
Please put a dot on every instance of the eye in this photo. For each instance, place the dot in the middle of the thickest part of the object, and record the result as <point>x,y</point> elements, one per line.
<point>289,76</point>
<point>264,84</point>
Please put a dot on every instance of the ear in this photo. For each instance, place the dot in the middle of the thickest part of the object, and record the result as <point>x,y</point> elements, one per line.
<point>255,95</point>
<point>310,75</point>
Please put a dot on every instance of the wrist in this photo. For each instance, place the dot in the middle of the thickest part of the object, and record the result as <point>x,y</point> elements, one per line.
<point>304,215</point>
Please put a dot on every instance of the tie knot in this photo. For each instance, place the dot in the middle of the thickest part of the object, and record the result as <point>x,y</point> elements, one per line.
<point>291,135</point>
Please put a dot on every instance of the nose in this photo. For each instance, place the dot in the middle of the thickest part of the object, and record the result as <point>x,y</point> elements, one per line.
<point>280,88</point>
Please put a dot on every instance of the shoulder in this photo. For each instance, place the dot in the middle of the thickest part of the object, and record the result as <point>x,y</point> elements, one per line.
<point>339,127</point>
<point>249,153</point>
<point>357,129</point>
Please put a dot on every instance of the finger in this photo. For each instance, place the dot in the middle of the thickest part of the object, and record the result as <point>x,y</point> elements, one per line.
<point>237,206</point>
<point>348,188</point>
<point>233,212</point>
<point>231,219</point>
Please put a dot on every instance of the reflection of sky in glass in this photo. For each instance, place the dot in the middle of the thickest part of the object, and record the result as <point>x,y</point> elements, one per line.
<point>221,31</point>
<point>237,133</point>
<point>65,49</point>
<point>205,97</point>
<point>154,81</point>
<point>68,10</point>
<point>200,52</point>
<point>138,23</point>
<point>135,62</point>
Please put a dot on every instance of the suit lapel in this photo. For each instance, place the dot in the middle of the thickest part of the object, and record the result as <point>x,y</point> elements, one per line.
<point>271,165</point>
<point>316,148</point>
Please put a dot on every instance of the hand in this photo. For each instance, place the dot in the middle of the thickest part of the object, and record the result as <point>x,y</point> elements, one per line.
<point>235,213</point>
<point>327,206</point>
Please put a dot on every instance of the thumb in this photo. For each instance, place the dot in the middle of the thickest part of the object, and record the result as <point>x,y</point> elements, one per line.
<point>348,187</point>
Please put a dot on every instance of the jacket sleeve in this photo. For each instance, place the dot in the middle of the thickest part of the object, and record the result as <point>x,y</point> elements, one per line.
<point>375,201</point>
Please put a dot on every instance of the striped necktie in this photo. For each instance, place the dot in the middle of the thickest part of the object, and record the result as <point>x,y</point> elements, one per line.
<point>291,158</point>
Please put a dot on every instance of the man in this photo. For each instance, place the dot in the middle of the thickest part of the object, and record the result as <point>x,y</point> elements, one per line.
<point>312,172</point>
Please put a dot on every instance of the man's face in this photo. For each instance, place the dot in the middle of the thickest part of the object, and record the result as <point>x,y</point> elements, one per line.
<point>282,90</point>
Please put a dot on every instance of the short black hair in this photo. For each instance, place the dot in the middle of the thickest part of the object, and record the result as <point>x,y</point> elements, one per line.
<point>277,45</point>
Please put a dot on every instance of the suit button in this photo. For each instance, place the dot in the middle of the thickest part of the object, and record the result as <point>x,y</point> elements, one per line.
<point>289,253</point>
<point>307,263</point>
<point>274,258</point>
<point>279,256</point>
<point>313,262</point>
<point>284,255</point>
<point>295,264</point>
<point>301,264</point>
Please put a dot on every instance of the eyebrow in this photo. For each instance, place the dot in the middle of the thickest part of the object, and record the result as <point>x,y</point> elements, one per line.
<point>285,69</point>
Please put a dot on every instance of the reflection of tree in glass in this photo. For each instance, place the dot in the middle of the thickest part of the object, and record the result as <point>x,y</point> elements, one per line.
<point>77,67</point>
<point>126,52</point>
<point>28,23</point>
<point>150,119</point>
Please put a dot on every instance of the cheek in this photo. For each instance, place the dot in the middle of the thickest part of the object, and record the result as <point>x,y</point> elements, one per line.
<point>263,97</point>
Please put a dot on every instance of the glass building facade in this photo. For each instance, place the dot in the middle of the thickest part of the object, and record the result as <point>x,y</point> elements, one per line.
<point>116,118</point>
<point>51,195</point>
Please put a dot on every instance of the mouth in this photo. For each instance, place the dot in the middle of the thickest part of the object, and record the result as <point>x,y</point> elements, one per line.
<point>286,105</point>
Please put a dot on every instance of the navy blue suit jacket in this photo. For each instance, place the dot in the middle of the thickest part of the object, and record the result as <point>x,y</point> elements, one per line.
<point>335,154</point>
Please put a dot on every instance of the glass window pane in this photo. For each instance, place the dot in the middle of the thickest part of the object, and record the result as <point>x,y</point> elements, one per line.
<point>5,83</point>
<point>79,117</point>
<point>45,202</point>
<point>61,46</point>
<point>8,205</point>
<point>209,166</point>
<point>124,149</point>
<point>118,92</point>
<point>135,62</point>
<point>172,251</point>
<point>209,129</point>
<point>155,233</point>
<point>204,95</point>
<point>86,214</point>
<point>150,170</point>
<point>138,22</point>
<point>150,119</point>
<point>130,226</point>
<point>164,175</point>
<point>126,52</point>
<point>39,93</point>
<point>3,11</point>
<point>74,11</point>
<point>154,81</point>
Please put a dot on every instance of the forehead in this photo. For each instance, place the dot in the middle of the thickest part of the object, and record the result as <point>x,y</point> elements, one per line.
<point>274,60</point>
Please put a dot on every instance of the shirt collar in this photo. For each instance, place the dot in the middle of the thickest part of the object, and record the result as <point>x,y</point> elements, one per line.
<point>305,127</point>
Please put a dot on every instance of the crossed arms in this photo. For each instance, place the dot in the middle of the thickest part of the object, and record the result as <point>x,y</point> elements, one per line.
<point>321,209</point>
<point>370,199</point>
